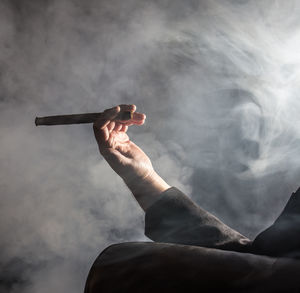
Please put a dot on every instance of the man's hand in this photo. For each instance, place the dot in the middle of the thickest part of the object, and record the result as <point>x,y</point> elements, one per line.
<point>125,157</point>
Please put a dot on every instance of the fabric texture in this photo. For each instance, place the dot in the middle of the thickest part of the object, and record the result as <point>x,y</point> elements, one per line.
<point>175,218</point>
<point>283,237</point>
<point>195,252</point>
<point>143,267</point>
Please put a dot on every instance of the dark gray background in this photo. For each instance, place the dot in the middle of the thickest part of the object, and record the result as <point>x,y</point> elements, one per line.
<point>219,82</point>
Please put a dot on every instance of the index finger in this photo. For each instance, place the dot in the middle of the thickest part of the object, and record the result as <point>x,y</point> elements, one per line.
<point>137,119</point>
<point>126,113</point>
<point>129,107</point>
<point>111,113</point>
<point>121,113</point>
<point>106,117</point>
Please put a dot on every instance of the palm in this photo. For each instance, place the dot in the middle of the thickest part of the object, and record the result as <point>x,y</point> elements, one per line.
<point>128,159</point>
<point>124,156</point>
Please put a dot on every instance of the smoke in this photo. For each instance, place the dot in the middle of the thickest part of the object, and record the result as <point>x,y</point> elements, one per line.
<point>219,82</point>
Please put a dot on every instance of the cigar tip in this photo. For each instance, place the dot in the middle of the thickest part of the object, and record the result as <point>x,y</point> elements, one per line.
<point>36,121</point>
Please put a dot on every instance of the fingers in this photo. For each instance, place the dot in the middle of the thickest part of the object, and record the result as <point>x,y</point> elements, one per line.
<point>101,132</point>
<point>130,108</point>
<point>103,126</point>
<point>138,116</point>
<point>111,126</point>
<point>118,126</point>
<point>124,128</point>
<point>110,114</point>
<point>107,116</point>
<point>108,122</point>
<point>113,113</point>
<point>137,119</point>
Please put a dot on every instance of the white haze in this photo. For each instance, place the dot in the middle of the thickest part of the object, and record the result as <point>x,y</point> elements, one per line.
<point>219,82</point>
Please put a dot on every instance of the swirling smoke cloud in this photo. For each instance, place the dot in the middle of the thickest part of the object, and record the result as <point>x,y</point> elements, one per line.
<point>219,82</point>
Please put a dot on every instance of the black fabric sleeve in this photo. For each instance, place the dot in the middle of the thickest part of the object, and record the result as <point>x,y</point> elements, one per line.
<point>175,218</point>
<point>283,237</point>
<point>173,268</point>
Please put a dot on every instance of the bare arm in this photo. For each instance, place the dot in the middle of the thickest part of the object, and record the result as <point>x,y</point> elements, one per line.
<point>148,190</point>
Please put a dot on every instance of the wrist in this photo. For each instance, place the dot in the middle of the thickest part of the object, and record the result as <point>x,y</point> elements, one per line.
<point>148,189</point>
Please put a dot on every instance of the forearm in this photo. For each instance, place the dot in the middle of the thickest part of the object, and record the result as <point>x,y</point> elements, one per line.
<point>148,190</point>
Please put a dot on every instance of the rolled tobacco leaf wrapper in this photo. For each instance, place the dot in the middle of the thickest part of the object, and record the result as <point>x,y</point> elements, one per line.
<point>79,118</point>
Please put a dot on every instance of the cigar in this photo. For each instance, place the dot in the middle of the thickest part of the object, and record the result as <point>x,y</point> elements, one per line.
<point>79,118</point>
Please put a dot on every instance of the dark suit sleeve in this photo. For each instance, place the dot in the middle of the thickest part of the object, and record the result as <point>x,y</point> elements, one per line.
<point>172,268</point>
<point>283,237</point>
<point>175,218</point>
